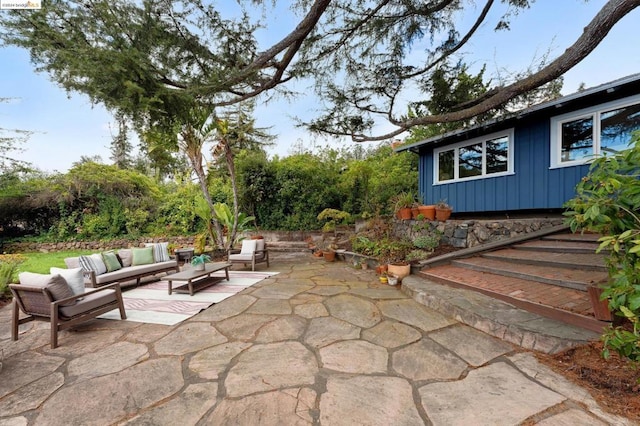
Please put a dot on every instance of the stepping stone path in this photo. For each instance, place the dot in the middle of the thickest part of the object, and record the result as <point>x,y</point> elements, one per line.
<point>318,344</point>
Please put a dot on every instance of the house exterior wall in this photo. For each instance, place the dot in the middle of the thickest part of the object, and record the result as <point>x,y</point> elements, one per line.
<point>532,186</point>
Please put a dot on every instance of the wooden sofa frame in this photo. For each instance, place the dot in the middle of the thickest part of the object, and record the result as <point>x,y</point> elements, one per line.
<point>41,301</point>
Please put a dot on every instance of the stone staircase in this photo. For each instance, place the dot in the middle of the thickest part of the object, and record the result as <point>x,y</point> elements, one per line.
<point>548,276</point>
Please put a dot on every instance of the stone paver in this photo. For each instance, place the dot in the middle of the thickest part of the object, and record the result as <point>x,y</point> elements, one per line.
<point>271,366</point>
<point>426,360</point>
<point>366,400</point>
<point>318,343</point>
<point>496,394</point>
<point>354,310</point>
<point>354,356</point>
<point>391,334</point>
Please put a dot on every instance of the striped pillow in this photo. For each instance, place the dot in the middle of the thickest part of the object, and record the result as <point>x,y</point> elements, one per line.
<point>160,251</point>
<point>93,263</point>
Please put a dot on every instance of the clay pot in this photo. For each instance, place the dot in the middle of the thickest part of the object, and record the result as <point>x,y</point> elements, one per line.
<point>404,214</point>
<point>381,268</point>
<point>329,256</point>
<point>399,270</point>
<point>442,214</point>
<point>429,212</point>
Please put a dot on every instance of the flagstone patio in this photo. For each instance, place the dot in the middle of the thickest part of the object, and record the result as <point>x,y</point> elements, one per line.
<point>319,343</point>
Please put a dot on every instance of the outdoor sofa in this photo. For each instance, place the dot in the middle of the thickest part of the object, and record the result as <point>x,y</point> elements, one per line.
<point>125,266</point>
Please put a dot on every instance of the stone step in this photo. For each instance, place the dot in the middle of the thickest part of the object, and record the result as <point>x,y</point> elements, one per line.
<point>593,262</point>
<point>577,279</point>
<point>288,246</point>
<point>561,246</point>
<point>586,237</point>
<point>559,303</point>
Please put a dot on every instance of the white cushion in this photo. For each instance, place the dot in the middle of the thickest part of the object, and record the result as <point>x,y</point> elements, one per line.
<point>259,244</point>
<point>74,278</point>
<point>248,247</point>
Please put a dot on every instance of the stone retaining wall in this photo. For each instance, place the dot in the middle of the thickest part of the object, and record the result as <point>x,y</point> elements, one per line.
<point>25,247</point>
<point>470,233</point>
<point>458,233</point>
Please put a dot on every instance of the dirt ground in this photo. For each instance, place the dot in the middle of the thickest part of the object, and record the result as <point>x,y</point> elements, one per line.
<point>614,383</point>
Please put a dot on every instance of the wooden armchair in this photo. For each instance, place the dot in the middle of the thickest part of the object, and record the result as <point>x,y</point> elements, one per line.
<point>39,303</point>
<point>252,252</point>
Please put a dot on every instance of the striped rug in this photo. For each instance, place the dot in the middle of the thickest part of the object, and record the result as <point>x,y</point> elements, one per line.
<point>152,304</point>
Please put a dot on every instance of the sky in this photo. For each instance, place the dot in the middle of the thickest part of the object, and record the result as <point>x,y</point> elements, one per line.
<point>68,126</point>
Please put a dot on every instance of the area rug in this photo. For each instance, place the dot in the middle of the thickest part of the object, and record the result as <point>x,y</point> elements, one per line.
<point>152,304</point>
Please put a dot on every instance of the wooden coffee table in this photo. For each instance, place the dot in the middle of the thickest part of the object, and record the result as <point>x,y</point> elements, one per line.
<point>193,280</point>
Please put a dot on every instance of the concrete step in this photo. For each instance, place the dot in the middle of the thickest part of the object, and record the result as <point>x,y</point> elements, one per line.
<point>559,303</point>
<point>561,246</point>
<point>592,262</point>
<point>577,279</point>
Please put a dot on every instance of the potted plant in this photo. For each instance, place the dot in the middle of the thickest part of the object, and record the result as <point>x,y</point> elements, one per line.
<point>429,212</point>
<point>198,262</point>
<point>403,203</point>
<point>443,211</point>
<point>392,279</point>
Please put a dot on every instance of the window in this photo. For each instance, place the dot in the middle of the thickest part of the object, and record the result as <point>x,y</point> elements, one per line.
<point>489,156</point>
<point>602,130</point>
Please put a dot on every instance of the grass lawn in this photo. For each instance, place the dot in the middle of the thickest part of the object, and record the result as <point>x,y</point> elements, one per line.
<point>41,262</point>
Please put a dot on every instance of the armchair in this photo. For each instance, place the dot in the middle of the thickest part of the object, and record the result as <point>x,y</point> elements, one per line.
<point>252,251</point>
<point>45,301</point>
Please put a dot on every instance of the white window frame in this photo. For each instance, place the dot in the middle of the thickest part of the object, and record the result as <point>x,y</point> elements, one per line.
<point>456,148</point>
<point>594,112</point>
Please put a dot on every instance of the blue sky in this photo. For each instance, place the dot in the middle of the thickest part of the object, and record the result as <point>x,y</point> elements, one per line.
<point>68,126</point>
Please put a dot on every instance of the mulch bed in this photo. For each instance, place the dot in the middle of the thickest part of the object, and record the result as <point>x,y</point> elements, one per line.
<point>614,383</point>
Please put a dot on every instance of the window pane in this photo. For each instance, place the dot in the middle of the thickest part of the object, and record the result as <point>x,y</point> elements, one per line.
<point>470,161</point>
<point>445,165</point>
<point>497,155</point>
<point>616,128</point>
<point>577,139</point>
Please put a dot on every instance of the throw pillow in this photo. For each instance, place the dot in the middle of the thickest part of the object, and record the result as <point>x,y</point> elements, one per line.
<point>160,251</point>
<point>111,261</point>
<point>93,263</point>
<point>34,280</point>
<point>248,246</point>
<point>59,289</point>
<point>126,256</point>
<point>73,277</point>
<point>57,286</point>
<point>142,256</point>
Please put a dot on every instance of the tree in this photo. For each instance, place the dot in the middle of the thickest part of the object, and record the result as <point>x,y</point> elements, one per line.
<point>121,147</point>
<point>10,139</point>
<point>151,59</point>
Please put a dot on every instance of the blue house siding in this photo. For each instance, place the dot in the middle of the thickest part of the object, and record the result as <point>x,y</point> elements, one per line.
<point>532,186</point>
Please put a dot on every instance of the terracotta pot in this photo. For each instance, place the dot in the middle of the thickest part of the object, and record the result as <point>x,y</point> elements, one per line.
<point>381,268</point>
<point>442,214</point>
<point>399,270</point>
<point>257,237</point>
<point>404,214</point>
<point>429,212</point>
<point>415,211</point>
<point>600,307</point>
<point>329,256</point>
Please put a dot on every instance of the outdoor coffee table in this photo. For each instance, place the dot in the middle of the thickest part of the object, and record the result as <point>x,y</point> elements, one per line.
<point>196,280</point>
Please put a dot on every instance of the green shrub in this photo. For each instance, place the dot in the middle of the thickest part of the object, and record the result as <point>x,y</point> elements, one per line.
<point>608,202</point>
<point>8,271</point>
<point>427,242</point>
